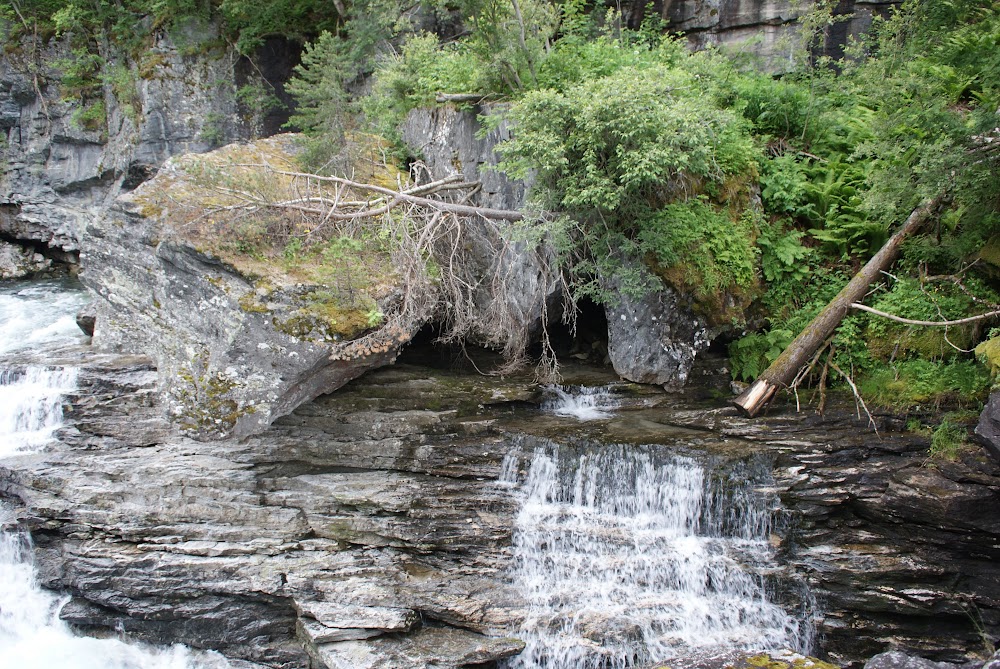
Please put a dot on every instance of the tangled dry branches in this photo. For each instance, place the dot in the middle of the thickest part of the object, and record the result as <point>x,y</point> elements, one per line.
<point>452,262</point>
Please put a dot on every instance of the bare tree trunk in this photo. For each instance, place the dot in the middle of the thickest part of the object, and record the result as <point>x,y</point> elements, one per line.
<point>782,371</point>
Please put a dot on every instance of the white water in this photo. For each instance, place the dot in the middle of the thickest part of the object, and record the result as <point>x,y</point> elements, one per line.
<point>580,402</point>
<point>625,560</point>
<point>38,314</point>
<point>31,634</point>
<point>31,407</point>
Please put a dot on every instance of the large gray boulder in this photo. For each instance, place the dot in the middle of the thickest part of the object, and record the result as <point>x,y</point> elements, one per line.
<point>654,338</point>
<point>236,340</point>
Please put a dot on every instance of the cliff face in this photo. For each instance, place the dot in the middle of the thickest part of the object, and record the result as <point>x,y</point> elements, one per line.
<point>62,170</point>
<point>368,529</point>
<point>764,28</point>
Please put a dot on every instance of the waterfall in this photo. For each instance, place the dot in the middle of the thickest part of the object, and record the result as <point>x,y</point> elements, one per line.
<point>626,557</point>
<point>31,406</point>
<point>580,402</point>
<point>31,634</point>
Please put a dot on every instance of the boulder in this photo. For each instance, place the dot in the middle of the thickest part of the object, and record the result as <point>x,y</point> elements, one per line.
<point>895,659</point>
<point>237,340</point>
<point>988,428</point>
<point>654,338</point>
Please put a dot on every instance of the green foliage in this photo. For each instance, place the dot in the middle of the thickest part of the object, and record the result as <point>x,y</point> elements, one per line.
<point>948,440</point>
<point>919,382</point>
<point>783,257</point>
<point>751,354</point>
<point>909,298</point>
<point>632,142</point>
<point>413,78</point>
<point>91,116</point>
<point>508,39</point>
<point>626,157</point>
<point>250,21</point>
<point>710,253</point>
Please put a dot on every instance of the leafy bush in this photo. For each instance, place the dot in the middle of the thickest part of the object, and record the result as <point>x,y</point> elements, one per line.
<point>710,253</point>
<point>917,382</point>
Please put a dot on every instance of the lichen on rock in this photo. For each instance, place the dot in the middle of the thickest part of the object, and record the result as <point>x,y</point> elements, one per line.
<point>254,310</point>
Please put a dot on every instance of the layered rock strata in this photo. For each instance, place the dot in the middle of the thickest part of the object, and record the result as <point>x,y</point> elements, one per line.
<point>366,529</point>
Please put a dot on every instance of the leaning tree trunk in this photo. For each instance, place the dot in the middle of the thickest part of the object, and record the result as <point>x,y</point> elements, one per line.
<point>782,371</point>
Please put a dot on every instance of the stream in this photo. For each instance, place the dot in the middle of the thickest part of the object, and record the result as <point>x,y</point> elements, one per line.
<point>40,316</point>
<point>625,555</point>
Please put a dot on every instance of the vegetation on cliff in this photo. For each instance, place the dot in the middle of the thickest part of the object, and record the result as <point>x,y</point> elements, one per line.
<point>763,194</point>
<point>759,195</point>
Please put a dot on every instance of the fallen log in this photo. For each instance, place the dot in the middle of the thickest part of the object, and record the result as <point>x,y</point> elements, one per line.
<point>803,348</point>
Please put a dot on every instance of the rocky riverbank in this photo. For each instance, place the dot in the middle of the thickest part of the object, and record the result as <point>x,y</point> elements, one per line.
<point>366,529</point>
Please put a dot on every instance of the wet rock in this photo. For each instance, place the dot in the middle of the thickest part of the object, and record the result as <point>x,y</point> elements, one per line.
<point>988,428</point>
<point>368,527</point>
<point>895,659</point>
<point>654,339</point>
<point>86,319</point>
<point>436,646</point>
<point>17,262</point>
<point>274,548</point>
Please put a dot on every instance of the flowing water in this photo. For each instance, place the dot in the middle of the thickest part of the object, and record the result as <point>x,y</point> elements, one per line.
<point>626,556</point>
<point>579,402</point>
<point>629,556</point>
<point>36,316</point>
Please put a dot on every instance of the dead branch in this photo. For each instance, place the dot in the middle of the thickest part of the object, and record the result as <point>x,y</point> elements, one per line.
<point>910,321</point>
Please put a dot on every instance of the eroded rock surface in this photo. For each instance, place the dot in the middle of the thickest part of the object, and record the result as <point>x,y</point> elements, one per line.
<point>366,528</point>
<point>17,262</point>
<point>62,171</point>
<point>237,342</point>
<point>767,29</point>
<point>510,277</point>
<point>654,339</point>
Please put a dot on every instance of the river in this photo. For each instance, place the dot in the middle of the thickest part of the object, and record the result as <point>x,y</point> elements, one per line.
<point>626,556</point>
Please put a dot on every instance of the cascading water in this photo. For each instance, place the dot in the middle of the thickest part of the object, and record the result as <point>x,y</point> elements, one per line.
<point>31,634</point>
<point>39,314</point>
<point>31,406</point>
<point>33,637</point>
<point>579,402</point>
<point>626,558</point>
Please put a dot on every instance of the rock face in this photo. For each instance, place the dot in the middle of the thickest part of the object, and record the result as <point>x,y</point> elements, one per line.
<point>366,529</point>
<point>988,428</point>
<point>61,171</point>
<point>653,339</point>
<point>764,28</point>
<point>896,546</point>
<point>447,141</point>
<point>362,531</point>
<point>235,349</point>
<point>17,262</point>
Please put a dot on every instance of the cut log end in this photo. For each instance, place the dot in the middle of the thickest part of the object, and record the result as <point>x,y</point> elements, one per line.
<point>755,399</point>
